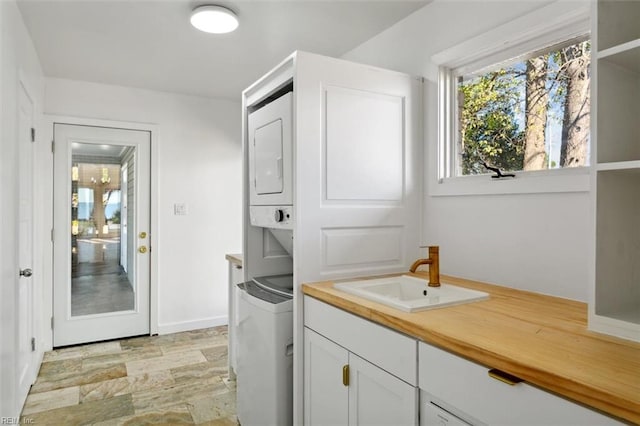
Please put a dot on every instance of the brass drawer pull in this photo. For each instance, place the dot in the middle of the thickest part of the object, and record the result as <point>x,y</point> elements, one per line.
<point>345,375</point>
<point>504,377</point>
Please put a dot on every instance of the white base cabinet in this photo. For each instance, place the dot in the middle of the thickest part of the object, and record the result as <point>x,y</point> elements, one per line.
<point>342,388</point>
<point>395,380</point>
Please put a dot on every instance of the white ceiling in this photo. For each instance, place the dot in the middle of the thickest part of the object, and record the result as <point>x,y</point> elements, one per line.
<point>150,43</point>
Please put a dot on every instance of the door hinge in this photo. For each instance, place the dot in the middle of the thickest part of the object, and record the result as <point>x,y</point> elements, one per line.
<point>51,234</point>
<point>33,134</point>
<point>52,323</point>
<point>53,147</point>
<point>33,344</point>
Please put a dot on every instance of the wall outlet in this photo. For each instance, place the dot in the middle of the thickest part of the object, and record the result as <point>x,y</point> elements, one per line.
<point>180,209</point>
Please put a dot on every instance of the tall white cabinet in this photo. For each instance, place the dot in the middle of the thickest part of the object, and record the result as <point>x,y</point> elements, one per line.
<point>357,160</point>
<point>615,298</point>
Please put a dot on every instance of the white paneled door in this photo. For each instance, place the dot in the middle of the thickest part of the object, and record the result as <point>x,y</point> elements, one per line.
<point>26,335</point>
<point>101,233</point>
<point>358,169</point>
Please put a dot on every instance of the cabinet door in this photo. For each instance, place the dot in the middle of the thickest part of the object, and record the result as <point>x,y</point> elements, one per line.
<point>326,398</point>
<point>379,398</point>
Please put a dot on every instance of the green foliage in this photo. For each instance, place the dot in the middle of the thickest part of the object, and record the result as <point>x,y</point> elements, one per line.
<point>115,217</point>
<point>493,113</point>
<point>488,126</point>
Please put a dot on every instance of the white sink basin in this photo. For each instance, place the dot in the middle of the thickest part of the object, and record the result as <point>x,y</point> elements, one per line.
<point>410,294</point>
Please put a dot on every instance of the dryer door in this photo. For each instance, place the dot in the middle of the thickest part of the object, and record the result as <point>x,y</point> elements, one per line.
<point>270,153</point>
<point>267,142</point>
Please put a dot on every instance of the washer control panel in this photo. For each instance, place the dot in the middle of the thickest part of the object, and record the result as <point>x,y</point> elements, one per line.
<point>280,217</point>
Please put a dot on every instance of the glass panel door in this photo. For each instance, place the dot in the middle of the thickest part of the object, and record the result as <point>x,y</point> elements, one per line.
<point>102,254</point>
<point>100,281</point>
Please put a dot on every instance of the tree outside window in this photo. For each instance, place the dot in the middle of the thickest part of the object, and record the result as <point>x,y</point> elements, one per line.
<point>530,114</point>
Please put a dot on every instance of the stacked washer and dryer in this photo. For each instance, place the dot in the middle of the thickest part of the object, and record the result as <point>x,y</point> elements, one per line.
<point>265,303</point>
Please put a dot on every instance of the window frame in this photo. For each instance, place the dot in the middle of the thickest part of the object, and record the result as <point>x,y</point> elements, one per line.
<point>544,28</point>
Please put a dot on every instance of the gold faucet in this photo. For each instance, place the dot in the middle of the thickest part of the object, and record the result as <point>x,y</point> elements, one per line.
<point>434,266</point>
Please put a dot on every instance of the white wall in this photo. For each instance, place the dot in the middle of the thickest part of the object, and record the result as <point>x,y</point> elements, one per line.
<point>199,164</point>
<point>535,242</point>
<point>18,61</point>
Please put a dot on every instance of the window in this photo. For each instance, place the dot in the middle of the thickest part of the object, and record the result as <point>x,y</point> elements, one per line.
<point>517,98</point>
<point>531,113</point>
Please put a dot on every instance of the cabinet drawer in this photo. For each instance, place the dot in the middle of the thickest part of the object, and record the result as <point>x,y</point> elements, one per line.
<point>391,351</point>
<point>466,387</point>
<point>432,414</point>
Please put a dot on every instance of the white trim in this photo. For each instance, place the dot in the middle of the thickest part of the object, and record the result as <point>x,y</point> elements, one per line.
<point>620,48</point>
<point>549,25</point>
<point>271,81</point>
<point>555,22</point>
<point>48,121</point>
<point>88,121</point>
<point>176,327</point>
<point>613,327</point>
<point>543,181</point>
<point>618,165</point>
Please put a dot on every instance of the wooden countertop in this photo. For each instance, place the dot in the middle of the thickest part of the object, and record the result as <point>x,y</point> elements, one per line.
<point>234,258</point>
<point>542,339</point>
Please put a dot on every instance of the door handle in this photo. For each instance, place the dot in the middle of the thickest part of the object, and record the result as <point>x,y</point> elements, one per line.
<point>27,272</point>
<point>345,375</point>
<point>504,377</point>
<point>142,235</point>
<point>142,249</point>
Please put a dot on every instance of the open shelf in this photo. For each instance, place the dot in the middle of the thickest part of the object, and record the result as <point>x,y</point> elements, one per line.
<point>617,22</point>
<point>625,55</point>
<point>617,286</point>
<point>614,306</point>
<point>618,125</point>
<point>619,165</point>
<point>630,314</point>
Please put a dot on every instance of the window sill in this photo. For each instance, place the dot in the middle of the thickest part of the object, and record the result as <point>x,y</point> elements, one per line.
<point>547,181</point>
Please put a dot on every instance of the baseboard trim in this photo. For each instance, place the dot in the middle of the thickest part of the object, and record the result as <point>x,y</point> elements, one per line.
<point>176,327</point>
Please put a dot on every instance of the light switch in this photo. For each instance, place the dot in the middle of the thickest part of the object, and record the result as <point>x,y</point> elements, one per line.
<point>180,209</point>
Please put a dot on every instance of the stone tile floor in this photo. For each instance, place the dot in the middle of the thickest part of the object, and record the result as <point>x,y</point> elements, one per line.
<point>172,379</point>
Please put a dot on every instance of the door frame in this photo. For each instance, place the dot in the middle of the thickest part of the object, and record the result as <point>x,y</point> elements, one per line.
<point>153,129</point>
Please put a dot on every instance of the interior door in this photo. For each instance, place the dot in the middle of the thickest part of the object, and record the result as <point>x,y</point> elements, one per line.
<point>26,337</point>
<point>101,274</point>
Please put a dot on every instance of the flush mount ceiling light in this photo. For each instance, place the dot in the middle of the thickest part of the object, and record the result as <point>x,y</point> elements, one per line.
<point>214,19</point>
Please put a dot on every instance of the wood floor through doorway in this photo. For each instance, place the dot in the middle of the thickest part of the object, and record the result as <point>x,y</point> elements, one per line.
<point>172,379</point>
